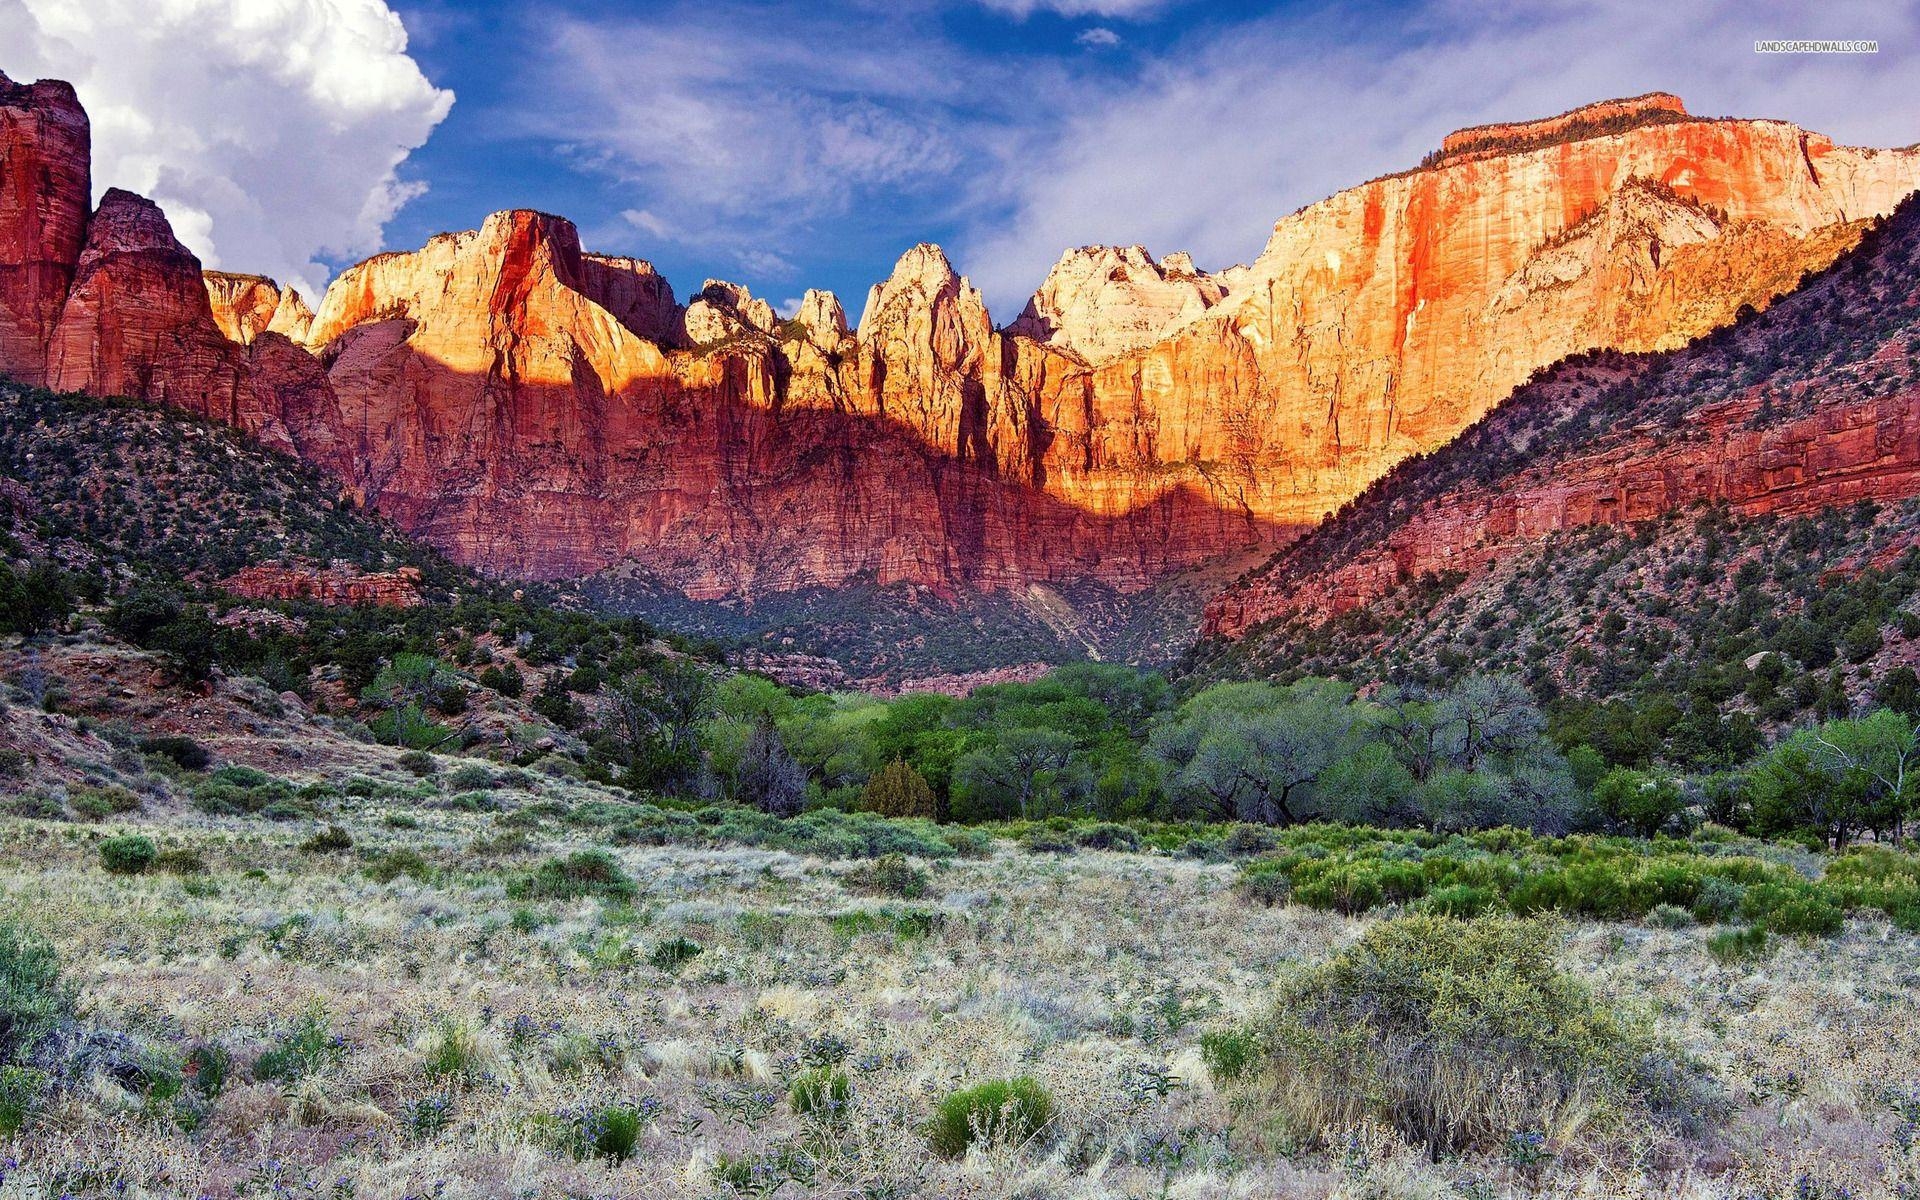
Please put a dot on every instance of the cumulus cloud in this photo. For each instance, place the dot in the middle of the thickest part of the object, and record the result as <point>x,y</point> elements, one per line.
<point>1235,127</point>
<point>271,131</point>
<point>1099,37</point>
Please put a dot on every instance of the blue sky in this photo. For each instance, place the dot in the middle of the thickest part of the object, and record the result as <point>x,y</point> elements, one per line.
<point>796,145</point>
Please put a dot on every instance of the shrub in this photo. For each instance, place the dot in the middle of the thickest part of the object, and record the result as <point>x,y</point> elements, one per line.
<point>306,1047</point>
<point>1106,835</point>
<point>427,1117</point>
<point>675,953</point>
<point>1669,916</point>
<point>208,1065</point>
<point>453,1052</point>
<point>180,861</point>
<point>1228,1053</point>
<point>610,1131</point>
<point>1459,1034</point>
<point>889,875</point>
<point>182,751</point>
<point>470,777</point>
<point>128,854</point>
<point>897,790</point>
<point>418,762</point>
<point>395,863</point>
<point>331,840</point>
<point>99,803</point>
<point>582,874</point>
<point>1267,882</point>
<point>1011,1110</point>
<point>823,1092</point>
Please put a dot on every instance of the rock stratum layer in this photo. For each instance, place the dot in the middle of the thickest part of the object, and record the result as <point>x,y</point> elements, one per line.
<point>539,411</point>
<point>1814,404</point>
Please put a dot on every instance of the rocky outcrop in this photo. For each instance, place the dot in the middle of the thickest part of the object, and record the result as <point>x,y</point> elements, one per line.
<point>1101,302</point>
<point>338,584</point>
<point>45,194</point>
<point>246,306</point>
<point>137,321</point>
<point>1831,417</point>
<point>1589,120</point>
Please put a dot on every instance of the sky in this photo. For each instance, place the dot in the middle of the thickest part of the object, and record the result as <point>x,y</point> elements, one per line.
<point>796,145</point>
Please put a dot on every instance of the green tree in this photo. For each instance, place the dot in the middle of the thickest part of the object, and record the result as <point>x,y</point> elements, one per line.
<point>897,790</point>
<point>1021,773</point>
<point>654,721</point>
<point>1638,801</point>
<point>1842,777</point>
<point>1255,752</point>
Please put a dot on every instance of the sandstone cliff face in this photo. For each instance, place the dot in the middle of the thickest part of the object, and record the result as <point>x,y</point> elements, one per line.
<point>45,194</point>
<point>537,410</point>
<point>1380,322</point>
<point>246,306</point>
<point>1140,417</point>
<point>137,321</point>
<point>1831,417</point>
<point>1100,302</point>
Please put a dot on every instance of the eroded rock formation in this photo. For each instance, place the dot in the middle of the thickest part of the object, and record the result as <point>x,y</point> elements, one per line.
<point>246,306</point>
<point>335,584</point>
<point>536,410</point>
<point>45,195</point>
<point>1814,405</point>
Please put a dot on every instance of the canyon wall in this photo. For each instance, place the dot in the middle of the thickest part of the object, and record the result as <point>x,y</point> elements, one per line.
<point>1814,405</point>
<point>539,411</point>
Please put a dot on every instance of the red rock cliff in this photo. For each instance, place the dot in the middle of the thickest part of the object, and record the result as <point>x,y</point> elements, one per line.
<point>1833,418</point>
<point>45,192</point>
<point>536,410</point>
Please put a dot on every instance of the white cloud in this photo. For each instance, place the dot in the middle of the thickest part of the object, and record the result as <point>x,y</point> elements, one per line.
<point>1125,9</point>
<point>1230,130</point>
<point>271,131</point>
<point>1099,37</point>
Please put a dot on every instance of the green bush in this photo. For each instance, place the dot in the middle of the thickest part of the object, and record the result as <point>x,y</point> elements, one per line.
<point>331,840</point>
<point>1228,1053</point>
<point>889,875</point>
<point>306,1047</point>
<point>897,790</point>
<point>1459,1034</point>
<point>128,854</point>
<point>823,1092</point>
<point>583,874</point>
<point>182,751</point>
<point>1738,945</point>
<point>395,863</point>
<point>180,861</point>
<point>1669,916</point>
<point>1012,1110</point>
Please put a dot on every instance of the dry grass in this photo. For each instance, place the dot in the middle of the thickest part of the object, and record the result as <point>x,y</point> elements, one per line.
<point>1095,974</point>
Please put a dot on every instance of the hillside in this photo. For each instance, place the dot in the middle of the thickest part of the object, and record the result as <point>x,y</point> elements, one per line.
<point>1641,527</point>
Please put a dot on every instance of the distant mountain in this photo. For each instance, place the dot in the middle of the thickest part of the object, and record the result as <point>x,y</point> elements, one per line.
<point>538,411</point>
